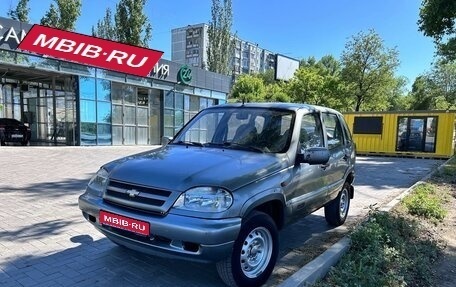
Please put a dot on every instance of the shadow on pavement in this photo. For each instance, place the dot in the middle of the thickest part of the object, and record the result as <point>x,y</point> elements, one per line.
<point>36,231</point>
<point>48,189</point>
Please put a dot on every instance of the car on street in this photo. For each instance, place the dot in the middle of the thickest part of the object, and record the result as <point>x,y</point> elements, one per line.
<point>221,189</point>
<point>12,130</point>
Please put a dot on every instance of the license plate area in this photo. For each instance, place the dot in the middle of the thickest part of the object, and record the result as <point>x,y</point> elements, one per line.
<point>17,136</point>
<point>125,223</point>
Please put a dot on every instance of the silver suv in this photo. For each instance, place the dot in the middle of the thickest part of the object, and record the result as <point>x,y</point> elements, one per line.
<point>220,190</point>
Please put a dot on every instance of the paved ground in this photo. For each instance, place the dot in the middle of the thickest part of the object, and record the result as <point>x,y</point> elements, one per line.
<point>44,240</point>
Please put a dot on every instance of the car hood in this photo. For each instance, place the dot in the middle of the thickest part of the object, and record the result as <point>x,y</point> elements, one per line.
<point>182,167</point>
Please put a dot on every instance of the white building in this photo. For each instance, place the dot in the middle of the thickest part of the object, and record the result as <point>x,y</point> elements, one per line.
<point>189,46</point>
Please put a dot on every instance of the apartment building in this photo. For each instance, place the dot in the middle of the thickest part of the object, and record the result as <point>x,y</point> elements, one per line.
<point>189,46</point>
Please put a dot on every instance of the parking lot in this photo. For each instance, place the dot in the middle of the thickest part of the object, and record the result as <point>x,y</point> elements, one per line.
<point>45,241</point>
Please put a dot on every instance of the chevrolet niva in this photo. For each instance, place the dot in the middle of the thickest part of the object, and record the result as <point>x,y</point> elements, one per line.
<point>220,190</point>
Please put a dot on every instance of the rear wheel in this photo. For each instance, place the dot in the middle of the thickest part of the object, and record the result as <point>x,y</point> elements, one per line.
<point>254,253</point>
<point>336,211</point>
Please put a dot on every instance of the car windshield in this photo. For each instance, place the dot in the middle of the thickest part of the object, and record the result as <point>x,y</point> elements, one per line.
<point>252,129</point>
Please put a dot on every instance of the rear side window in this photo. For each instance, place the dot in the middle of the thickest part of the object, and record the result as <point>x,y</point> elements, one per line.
<point>333,130</point>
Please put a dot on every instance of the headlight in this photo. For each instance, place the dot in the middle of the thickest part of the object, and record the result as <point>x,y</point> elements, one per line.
<point>205,199</point>
<point>98,182</point>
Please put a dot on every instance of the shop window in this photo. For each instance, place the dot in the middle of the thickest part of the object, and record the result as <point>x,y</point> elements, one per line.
<point>142,116</point>
<point>168,118</point>
<point>117,93</point>
<point>169,100</point>
<point>194,104</point>
<point>368,125</point>
<point>129,115</point>
<point>129,95</point>
<point>104,134</point>
<point>103,90</point>
<point>88,111</point>
<point>116,114</point>
<point>87,88</point>
<point>88,133</point>
<point>129,135</point>
<point>179,101</point>
<point>104,112</point>
<point>178,118</point>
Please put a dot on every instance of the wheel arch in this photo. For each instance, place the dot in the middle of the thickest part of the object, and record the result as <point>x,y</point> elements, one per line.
<point>273,205</point>
<point>350,179</point>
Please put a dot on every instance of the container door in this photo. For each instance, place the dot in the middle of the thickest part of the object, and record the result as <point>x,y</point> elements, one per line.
<point>416,134</point>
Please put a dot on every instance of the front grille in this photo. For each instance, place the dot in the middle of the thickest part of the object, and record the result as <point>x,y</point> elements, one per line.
<point>138,197</point>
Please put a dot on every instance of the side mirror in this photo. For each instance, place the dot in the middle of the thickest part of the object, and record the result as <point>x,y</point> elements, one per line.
<point>166,140</point>
<point>315,155</point>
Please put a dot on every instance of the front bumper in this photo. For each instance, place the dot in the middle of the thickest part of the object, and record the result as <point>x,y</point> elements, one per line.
<point>171,236</point>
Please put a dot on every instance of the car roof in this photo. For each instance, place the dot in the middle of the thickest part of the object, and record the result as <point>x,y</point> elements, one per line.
<point>9,120</point>
<point>278,105</point>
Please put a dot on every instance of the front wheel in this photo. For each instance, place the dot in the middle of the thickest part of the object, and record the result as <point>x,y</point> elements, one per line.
<point>336,211</point>
<point>254,253</point>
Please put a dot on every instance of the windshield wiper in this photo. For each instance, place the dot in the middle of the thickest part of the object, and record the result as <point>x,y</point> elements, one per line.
<point>243,147</point>
<point>190,143</point>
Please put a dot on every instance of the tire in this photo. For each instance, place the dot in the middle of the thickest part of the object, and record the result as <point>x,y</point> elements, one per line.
<point>336,211</point>
<point>24,143</point>
<point>258,235</point>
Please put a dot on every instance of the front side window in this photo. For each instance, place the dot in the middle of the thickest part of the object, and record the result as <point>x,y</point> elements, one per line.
<point>311,134</point>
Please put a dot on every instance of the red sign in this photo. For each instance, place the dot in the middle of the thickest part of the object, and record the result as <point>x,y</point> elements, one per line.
<point>90,51</point>
<point>125,223</point>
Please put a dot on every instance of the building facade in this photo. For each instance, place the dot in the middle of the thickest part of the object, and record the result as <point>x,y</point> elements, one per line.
<point>189,46</point>
<point>72,104</point>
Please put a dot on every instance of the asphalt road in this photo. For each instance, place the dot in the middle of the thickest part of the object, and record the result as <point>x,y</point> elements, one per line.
<point>44,240</point>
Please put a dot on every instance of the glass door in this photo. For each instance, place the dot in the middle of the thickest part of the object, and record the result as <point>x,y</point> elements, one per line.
<point>130,125</point>
<point>416,134</point>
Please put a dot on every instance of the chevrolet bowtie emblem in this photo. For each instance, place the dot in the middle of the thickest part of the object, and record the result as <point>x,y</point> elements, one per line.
<point>132,192</point>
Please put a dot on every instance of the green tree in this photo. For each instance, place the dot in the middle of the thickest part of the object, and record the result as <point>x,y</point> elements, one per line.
<point>21,12</point>
<point>435,90</point>
<point>267,76</point>
<point>422,94</point>
<point>437,20</point>
<point>398,100</point>
<point>63,15</point>
<point>248,88</point>
<point>221,42</point>
<point>368,70</point>
<point>307,86</point>
<point>319,82</point>
<point>444,78</point>
<point>330,65</point>
<point>277,92</point>
<point>131,23</point>
<point>105,27</point>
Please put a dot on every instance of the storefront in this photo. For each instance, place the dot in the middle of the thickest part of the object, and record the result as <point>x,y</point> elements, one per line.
<point>426,134</point>
<point>71,104</point>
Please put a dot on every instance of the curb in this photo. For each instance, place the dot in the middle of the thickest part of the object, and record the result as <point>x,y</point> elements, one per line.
<point>320,266</point>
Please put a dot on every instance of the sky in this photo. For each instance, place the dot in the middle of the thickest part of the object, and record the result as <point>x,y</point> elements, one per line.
<point>295,28</point>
